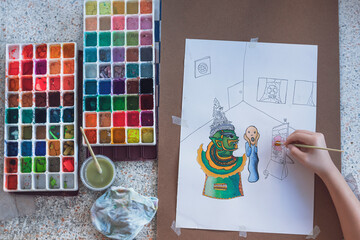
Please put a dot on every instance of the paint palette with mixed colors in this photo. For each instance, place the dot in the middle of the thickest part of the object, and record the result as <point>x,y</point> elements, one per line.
<point>119,72</point>
<point>40,117</point>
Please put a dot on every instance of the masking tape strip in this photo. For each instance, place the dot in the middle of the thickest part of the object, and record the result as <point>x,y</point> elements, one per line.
<point>253,42</point>
<point>352,180</point>
<point>242,232</point>
<point>178,121</point>
<point>157,52</point>
<point>314,233</point>
<point>175,229</point>
<point>157,10</point>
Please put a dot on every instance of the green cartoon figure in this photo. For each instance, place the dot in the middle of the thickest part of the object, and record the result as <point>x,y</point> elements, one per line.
<point>222,169</point>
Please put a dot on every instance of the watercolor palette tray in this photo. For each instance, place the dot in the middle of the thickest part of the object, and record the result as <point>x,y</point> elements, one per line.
<point>119,73</point>
<point>40,117</point>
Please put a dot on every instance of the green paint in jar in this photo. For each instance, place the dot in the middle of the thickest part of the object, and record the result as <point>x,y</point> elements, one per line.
<point>94,178</point>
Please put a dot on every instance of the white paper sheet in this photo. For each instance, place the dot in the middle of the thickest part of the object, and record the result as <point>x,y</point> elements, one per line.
<point>272,87</point>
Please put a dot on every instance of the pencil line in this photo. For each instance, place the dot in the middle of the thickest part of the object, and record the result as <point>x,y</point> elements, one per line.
<point>264,112</point>
<point>196,130</point>
<point>207,123</point>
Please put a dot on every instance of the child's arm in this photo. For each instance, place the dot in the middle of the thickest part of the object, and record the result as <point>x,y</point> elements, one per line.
<point>319,161</point>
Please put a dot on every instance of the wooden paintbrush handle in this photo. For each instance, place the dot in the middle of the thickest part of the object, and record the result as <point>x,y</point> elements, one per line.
<point>315,147</point>
<point>91,151</point>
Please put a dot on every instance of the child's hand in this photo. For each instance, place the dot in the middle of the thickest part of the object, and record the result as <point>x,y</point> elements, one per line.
<point>347,205</point>
<point>317,160</point>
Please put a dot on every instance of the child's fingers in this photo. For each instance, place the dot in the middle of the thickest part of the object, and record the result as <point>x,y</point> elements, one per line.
<point>296,152</point>
<point>305,131</point>
<point>301,137</point>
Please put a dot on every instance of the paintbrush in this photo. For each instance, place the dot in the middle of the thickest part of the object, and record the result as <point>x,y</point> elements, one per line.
<point>91,151</point>
<point>278,143</point>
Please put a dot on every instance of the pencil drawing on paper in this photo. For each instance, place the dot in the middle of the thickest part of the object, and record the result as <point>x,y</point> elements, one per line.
<point>202,67</point>
<point>252,136</point>
<point>305,93</point>
<point>277,165</point>
<point>272,90</point>
<point>235,98</point>
<point>222,169</point>
<point>235,94</point>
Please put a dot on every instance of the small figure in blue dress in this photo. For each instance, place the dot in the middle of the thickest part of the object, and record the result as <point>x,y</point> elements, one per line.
<point>252,136</point>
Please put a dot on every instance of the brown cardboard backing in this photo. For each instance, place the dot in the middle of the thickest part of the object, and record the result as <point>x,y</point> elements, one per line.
<point>278,21</point>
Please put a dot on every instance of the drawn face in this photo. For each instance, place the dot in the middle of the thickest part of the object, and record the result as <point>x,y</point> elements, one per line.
<point>252,134</point>
<point>226,140</point>
<point>230,140</point>
<point>272,91</point>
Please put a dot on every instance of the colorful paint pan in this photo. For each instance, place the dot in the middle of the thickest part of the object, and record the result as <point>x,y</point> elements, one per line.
<point>40,117</point>
<point>119,72</point>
